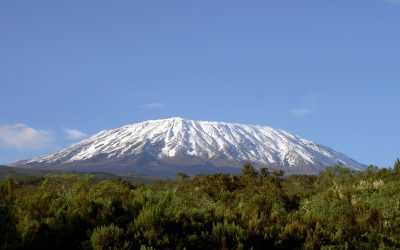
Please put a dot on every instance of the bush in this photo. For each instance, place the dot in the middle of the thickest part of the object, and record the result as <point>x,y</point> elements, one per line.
<point>108,237</point>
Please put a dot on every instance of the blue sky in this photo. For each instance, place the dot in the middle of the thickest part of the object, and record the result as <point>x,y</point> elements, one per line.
<point>328,71</point>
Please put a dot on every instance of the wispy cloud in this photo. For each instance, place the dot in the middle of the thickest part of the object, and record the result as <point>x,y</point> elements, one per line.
<point>23,138</point>
<point>300,112</point>
<point>394,2</point>
<point>74,134</point>
<point>309,97</point>
<point>154,105</point>
<point>308,105</point>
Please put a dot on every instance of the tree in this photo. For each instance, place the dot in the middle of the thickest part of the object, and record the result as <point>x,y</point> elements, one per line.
<point>181,176</point>
<point>264,172</point>
<point>8,233</point>
<point>7,191</point>
<point>248,170</point>
<point>396,167</point>
<point>278,173</point>
<point>108,237</point>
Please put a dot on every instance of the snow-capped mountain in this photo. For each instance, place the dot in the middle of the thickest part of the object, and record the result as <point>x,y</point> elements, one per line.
<point>170,145</point>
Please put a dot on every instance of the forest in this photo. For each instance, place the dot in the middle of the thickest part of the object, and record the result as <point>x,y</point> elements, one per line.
<point>337,209</point>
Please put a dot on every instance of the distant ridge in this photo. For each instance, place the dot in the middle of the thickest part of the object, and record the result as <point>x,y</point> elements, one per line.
<point>163,147</point>
<point>26,173</point>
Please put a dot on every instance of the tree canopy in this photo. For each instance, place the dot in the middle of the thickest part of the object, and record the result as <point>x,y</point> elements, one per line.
<point>337,209</point>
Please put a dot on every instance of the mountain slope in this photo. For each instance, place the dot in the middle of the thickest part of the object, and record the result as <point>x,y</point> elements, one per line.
<point>199,146</point>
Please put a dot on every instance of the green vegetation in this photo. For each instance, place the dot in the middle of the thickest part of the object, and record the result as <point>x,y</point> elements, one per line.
<point>37,175</point>
<point>338,209</point>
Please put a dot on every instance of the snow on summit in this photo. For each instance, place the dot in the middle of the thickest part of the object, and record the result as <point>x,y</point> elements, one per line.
<point>159,145</point>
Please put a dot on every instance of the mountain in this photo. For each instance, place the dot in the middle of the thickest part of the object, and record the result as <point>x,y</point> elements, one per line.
<point>164,147</point>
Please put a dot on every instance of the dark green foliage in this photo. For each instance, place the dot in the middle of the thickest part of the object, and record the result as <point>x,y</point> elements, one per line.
<point>264,172</point>
<point>108,238</point>
<point>8,231</point>
<point>396,167</point>
<point>248,170</point>
<point>338,209</point>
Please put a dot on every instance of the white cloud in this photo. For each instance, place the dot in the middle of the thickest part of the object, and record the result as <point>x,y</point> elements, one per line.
<point>74,134</point>
<point>154,105</point>
<point>23,138</point>
<point>308,105</point>
<point>300,112</point>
